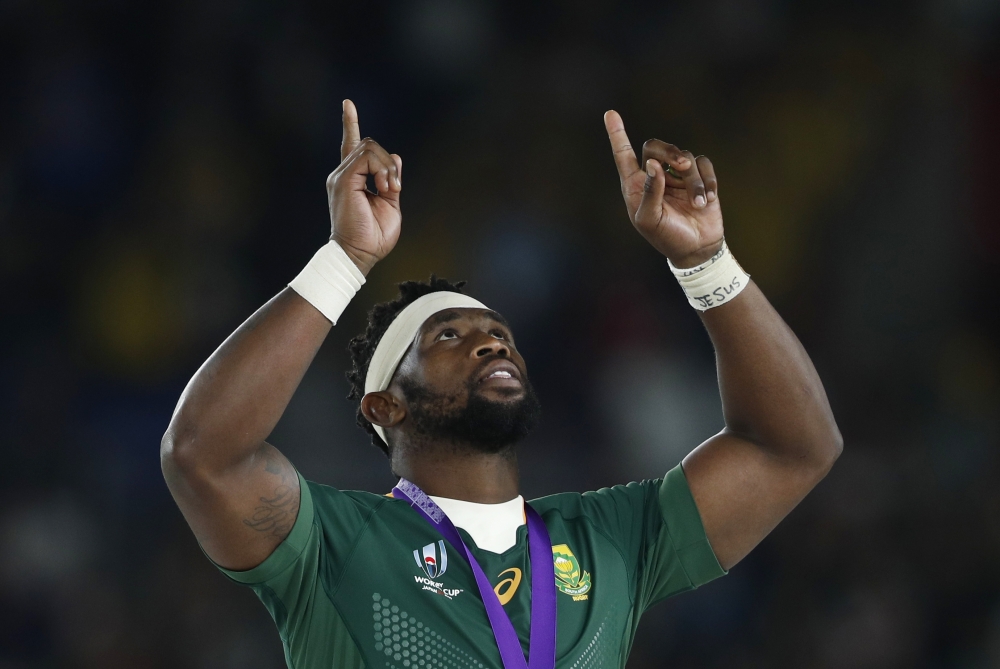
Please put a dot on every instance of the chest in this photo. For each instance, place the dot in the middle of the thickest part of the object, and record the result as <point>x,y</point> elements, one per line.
<point>410,599</point>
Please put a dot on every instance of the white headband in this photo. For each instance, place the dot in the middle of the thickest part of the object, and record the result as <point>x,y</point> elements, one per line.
<point>400,333</point>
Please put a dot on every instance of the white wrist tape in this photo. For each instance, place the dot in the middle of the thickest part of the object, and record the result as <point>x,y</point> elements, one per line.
<point>714,282</point>
<point>329,281</point>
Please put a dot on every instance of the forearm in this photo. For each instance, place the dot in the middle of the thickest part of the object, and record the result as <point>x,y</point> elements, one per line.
<point>780,437</point>
<point>236,398</point>
<point>771,393</point>
<point>240,494</point>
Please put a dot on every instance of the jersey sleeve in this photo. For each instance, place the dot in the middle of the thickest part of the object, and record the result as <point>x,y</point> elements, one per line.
<point>294,549</point>
<point>658,530</point>
<point>676,554</point>
<point>290,581</point>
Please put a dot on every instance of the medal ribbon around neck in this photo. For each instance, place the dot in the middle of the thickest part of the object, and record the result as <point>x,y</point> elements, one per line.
<point>542,639</point>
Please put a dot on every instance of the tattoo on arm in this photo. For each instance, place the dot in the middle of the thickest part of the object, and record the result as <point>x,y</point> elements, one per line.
<point>275,515</point>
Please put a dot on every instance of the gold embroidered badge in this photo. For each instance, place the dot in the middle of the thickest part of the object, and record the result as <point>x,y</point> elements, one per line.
<point>570,579</point>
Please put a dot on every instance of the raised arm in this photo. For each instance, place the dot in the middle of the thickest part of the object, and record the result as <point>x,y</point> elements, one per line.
<point>780,438</point>
<point>239,494</point>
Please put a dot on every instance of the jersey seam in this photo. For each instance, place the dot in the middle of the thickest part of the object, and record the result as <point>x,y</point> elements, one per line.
<point>284,636</point>
<point>625,645</point>
<point>677,551</point>
<point>330,594</point>
<point>687,576</point>
<point>350,632</point>
<point>357,542</point>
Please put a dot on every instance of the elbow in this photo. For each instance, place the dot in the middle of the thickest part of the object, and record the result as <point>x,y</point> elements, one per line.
<point>177,452</point>
<point>838,444</point>
<point>828,449</point>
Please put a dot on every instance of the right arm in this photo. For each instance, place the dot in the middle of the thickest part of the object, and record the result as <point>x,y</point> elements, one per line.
<point>238,493</point>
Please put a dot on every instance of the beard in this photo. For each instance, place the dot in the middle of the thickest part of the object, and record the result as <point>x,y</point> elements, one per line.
<point>487,426</point>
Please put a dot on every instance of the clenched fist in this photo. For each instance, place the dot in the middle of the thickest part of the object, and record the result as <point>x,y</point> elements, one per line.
<point>365,224</point>
<point>677,212</point>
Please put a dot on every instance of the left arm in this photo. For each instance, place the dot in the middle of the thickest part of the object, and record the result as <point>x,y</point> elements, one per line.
<point>780,437</point>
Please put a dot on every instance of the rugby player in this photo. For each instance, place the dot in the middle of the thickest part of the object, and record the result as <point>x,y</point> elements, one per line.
<point>453,568</point>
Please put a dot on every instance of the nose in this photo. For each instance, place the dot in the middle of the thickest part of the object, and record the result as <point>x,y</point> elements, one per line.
<point>492,346</point>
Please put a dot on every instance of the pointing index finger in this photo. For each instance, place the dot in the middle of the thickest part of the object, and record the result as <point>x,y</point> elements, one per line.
<point>352,130</point>
<point>622,148</point>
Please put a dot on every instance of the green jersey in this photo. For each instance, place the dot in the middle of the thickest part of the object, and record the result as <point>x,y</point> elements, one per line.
<point>363,580</point>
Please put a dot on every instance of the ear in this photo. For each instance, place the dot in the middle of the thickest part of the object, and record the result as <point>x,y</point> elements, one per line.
<point>383,409</point>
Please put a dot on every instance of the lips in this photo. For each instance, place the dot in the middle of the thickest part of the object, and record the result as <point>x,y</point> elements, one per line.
<point>499,371</point>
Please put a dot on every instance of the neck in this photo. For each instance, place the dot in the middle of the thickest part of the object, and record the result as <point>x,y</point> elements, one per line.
<point>459,473</point>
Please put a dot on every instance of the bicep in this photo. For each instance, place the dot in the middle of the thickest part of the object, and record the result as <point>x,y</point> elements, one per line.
<point>742,492</point>
<point>241,515</point>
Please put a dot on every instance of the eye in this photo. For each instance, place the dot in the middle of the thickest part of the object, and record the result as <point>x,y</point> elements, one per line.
<point>448,334</point>
<point>499,334</point>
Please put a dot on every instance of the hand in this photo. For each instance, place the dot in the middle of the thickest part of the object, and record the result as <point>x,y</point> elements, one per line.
<point>679,215</point>
<point>364,223</point>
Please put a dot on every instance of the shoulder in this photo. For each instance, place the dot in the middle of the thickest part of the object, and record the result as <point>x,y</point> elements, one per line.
<point>623,496</point>
<point>330,501</point>
<point>363,497</point>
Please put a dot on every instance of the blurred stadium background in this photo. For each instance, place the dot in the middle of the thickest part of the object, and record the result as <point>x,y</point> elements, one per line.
<point>162,173</point>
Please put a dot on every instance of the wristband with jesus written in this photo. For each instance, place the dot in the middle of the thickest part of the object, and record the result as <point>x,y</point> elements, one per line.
<point>714,282</point>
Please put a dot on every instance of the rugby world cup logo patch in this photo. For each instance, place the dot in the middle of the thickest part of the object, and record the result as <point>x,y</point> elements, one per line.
<point>432,559</point>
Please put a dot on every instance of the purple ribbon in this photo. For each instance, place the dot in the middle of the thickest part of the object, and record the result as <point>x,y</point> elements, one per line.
<point>542,639</point>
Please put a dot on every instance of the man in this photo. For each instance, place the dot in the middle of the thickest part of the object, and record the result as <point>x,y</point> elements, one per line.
<point>356,579</point>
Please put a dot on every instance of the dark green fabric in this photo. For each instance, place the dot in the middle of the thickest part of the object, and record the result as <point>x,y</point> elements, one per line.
<point>345,589</point>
